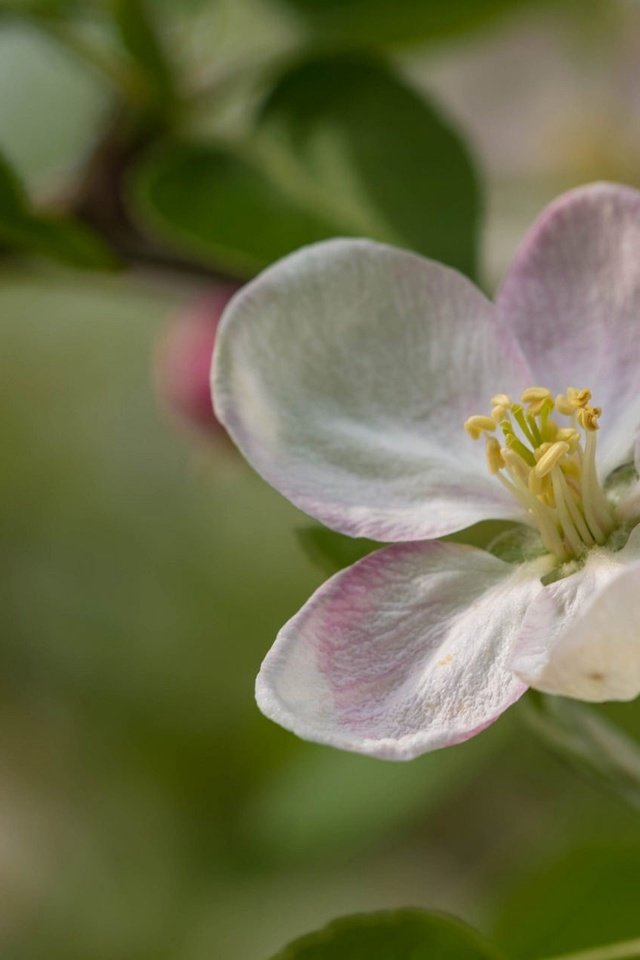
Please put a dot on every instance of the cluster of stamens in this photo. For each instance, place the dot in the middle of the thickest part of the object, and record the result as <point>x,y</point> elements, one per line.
<point>548,467</point>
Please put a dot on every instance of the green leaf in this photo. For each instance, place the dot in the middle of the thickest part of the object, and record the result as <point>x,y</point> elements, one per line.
<point>13,201</point>
<point>61,238</point>
<point>143,43</point>
<point>375,155</point>
<point>38,8</point>
<point>583,735</point>
<point>363,802</point>
<point>378,23</point>
<point>333,551</point>
<point>587,898</point>
<point>342,148</point>
<point>398,935</point>
<point>58,238</point>
<point>220,208</point>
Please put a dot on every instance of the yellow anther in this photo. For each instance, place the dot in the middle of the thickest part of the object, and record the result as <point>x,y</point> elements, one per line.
<point>540,451</point>
<point>549,465</point>
<point>514,462</point>
<point>579,398</point>
<point>476,426</point>
<point>537,406</point>
<point>570,467</point>
<point>564,405</point>
<point>495,459</point>
<point>588,417</point>
<point>535,397</point>
<point>541,487</point>
<point>570,436</point>
<point>551,456</point>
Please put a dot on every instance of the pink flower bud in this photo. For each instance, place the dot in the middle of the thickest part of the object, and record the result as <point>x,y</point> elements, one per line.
<point>183,361</point>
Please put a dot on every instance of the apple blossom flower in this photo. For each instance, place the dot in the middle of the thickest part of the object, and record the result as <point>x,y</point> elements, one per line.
<point>384,395</point>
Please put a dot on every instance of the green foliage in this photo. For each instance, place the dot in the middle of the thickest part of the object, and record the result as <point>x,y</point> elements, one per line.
<point>39,8</point>
<point>584,737</point>
<point>379,23</point>
<point>379,154</point>
<point>585,899</point>
<point>333,551</point>
<point>360,798</point>
<point>141,39</point>
<point>220,208</point>
<point>61,238</point>
<point>400,935</point>
<point>319,168</point>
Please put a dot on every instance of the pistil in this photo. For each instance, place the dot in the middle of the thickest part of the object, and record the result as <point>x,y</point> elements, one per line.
<point>550,469</point>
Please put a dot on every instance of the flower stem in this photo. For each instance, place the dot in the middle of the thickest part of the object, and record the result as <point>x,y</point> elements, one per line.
<point>629,950</point>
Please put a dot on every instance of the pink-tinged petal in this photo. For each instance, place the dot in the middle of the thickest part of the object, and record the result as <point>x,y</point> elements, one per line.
<point>572,298</point>
<point>580,637</point>
<point>345,373</point>
<point>402,653</point>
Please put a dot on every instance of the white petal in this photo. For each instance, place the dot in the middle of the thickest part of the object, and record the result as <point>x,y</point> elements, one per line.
<point>402,653</point>
<point>572,298</point>
<point>581,636</point>
<point>345,373</point>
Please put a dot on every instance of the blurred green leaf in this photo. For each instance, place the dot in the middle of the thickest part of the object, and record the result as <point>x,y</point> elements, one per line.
<point>219,207</point>
<point>61,238</point>
<point>592,743</point>
<point>12,197</point>
<point>585,899</point>
<point>376,155</point>
<point>361,801</point>
<point>141,39</point>
<point>342,147</point>
<point>38,8</point>
<point>40,79</point>
<point>398,935</point>
<point>333,551</point>
<point>378,23</point>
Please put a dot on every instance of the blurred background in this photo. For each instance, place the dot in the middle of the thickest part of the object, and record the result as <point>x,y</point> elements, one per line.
<point>154,157</point>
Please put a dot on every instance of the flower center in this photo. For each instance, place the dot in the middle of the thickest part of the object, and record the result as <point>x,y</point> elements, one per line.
<point>549,467</point>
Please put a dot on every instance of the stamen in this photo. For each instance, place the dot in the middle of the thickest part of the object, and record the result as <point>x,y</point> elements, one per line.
<point>597,510</point>
<point>574,511</point>
<point>569,436</point>
<point>588,417</point>
<point>568,528</point>
<point>536,398</point>
<point>550,458</point>
<point>546,467</point>
<point>521,420</point>
<point>514,462</point>
<point>514,444</point>
<point>495,460</point>
<point>476,426</point>
<point>579,398</point>
<point>548,427</point>
<point>535,509</point>
<point>534,394</point>
<point>535,429</point>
